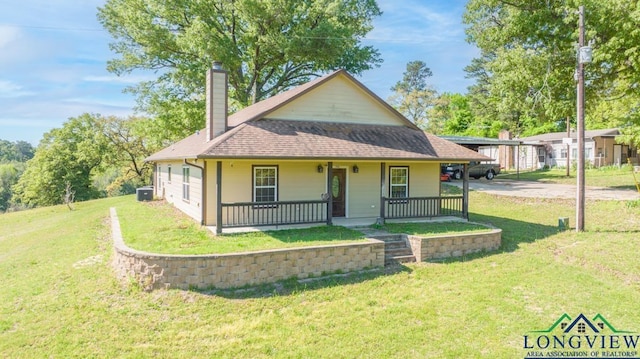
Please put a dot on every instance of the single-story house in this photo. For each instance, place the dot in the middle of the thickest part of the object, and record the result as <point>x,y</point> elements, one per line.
<point>550,149</point>
<point>324,152</point>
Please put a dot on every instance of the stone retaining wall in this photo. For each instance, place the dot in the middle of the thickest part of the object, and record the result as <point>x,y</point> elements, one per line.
<point>454,245</point>
<point>239,269</point>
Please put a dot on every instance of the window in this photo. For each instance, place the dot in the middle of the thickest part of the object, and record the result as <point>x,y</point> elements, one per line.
<point>541,155</point>
<point>399,182</point>
<point>588,152</point>
<point>265,183</point>
<point>563,153</point>
<point>185,183</point>
<point>582,328</point>
<point>169,173</point>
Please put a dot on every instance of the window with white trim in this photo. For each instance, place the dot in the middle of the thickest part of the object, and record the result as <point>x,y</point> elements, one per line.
<point>169,173</point>
<point>265,183</point>
<point>185,183</point>
<point>399,182</point>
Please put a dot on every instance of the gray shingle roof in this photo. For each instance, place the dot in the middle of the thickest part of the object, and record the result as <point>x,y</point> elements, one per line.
<point>308,139</point>
<point>558,136</point>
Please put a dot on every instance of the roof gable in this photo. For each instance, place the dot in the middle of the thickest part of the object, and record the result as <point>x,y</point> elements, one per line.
<point>336,97</point>
<point>338,100</point>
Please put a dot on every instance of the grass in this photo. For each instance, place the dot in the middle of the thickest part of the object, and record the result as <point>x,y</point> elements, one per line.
<point>435,228</point>
<point>60,299</point>
<point>157,227</point>
<point>610,176</point>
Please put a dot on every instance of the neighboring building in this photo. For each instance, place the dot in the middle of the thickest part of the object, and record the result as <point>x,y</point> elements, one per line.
<point>324,151</point>
<point>601,149</point>
<point>496,149</point>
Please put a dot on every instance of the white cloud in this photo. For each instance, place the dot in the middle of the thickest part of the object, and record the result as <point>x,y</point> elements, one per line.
<point>118,79</point>
<point>416,23</point>
<point>9,89</point>
<point>8,34</point>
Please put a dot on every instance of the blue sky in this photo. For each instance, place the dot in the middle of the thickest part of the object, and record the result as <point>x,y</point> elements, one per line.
<point>53,56</point>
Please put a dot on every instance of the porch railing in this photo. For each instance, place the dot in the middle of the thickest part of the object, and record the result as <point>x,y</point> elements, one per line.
<point>250,214</point>
<point>420,207</point>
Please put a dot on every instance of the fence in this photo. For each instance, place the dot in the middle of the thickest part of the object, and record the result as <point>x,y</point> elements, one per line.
<point>249,214</point>
<point>420,207</point>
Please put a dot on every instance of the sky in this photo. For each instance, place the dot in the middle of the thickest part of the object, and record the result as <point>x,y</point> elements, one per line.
<point>53,57</point>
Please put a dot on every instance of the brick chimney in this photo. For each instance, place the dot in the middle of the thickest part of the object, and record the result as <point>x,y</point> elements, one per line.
<point>216,98</point>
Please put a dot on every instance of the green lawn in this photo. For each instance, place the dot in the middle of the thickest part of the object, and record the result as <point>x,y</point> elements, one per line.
<point>59,297</point>
<point>157,227</point>
<point>428,229</point>
<point>612,176</point>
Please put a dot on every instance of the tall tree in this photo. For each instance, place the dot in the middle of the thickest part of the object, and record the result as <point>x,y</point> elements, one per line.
<point>266,45</point>
<point>64,159</point>
<point>9,175</point>
<point>413,96</point>
<point>19,151</point>
<point>129,143</point>
<point>525,74</point>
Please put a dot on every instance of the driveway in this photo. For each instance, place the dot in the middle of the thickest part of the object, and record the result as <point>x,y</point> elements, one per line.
<point>546,190</point>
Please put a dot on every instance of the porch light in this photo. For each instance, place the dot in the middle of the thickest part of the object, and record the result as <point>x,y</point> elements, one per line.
<point>356,169</point>
<point>320,169</point>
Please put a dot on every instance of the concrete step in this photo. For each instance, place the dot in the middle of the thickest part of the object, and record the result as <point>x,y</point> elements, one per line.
<point>399,259</point>
<point>397,252</point>
<point>395,244</point>
<point>388,237</point>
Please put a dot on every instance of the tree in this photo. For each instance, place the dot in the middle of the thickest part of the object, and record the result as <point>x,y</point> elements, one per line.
<point>525,74</point>
<point>412,95</point>
<point>129,144</point>
<point>66,155</point>
<point>267,46</point>
<point>19,151</point>
<point>9,175</point>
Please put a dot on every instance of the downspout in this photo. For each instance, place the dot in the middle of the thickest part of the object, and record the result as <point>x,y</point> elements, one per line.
<point>204,188</point>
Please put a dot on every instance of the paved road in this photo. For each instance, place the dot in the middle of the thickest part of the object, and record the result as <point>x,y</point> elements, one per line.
<point>546,190</point>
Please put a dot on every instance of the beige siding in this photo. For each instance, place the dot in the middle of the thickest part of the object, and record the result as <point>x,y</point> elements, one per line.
<point>424,180</point>
<point>172,190</point>
<point>212,193</point>
<point>363,190</point>
<point>301,181</point>
<point>338,100</point>
<point>297,181</point>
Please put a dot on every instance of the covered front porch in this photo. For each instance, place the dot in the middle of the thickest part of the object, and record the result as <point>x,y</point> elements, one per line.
<point>342,198</point>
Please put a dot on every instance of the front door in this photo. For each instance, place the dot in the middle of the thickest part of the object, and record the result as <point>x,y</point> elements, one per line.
<point>338,191</point>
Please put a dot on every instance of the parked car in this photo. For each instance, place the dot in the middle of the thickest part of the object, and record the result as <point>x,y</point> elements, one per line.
<point>476,170</point>
<point>445,177</point>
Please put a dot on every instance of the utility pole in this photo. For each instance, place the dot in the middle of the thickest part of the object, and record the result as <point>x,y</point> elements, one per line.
<point>568,146</point>
<point>584,56</point>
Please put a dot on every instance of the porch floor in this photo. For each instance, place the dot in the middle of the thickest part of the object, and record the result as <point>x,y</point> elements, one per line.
<point>363,224</point>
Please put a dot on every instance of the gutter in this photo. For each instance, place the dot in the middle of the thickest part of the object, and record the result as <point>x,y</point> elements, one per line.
<point>204,188</point>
